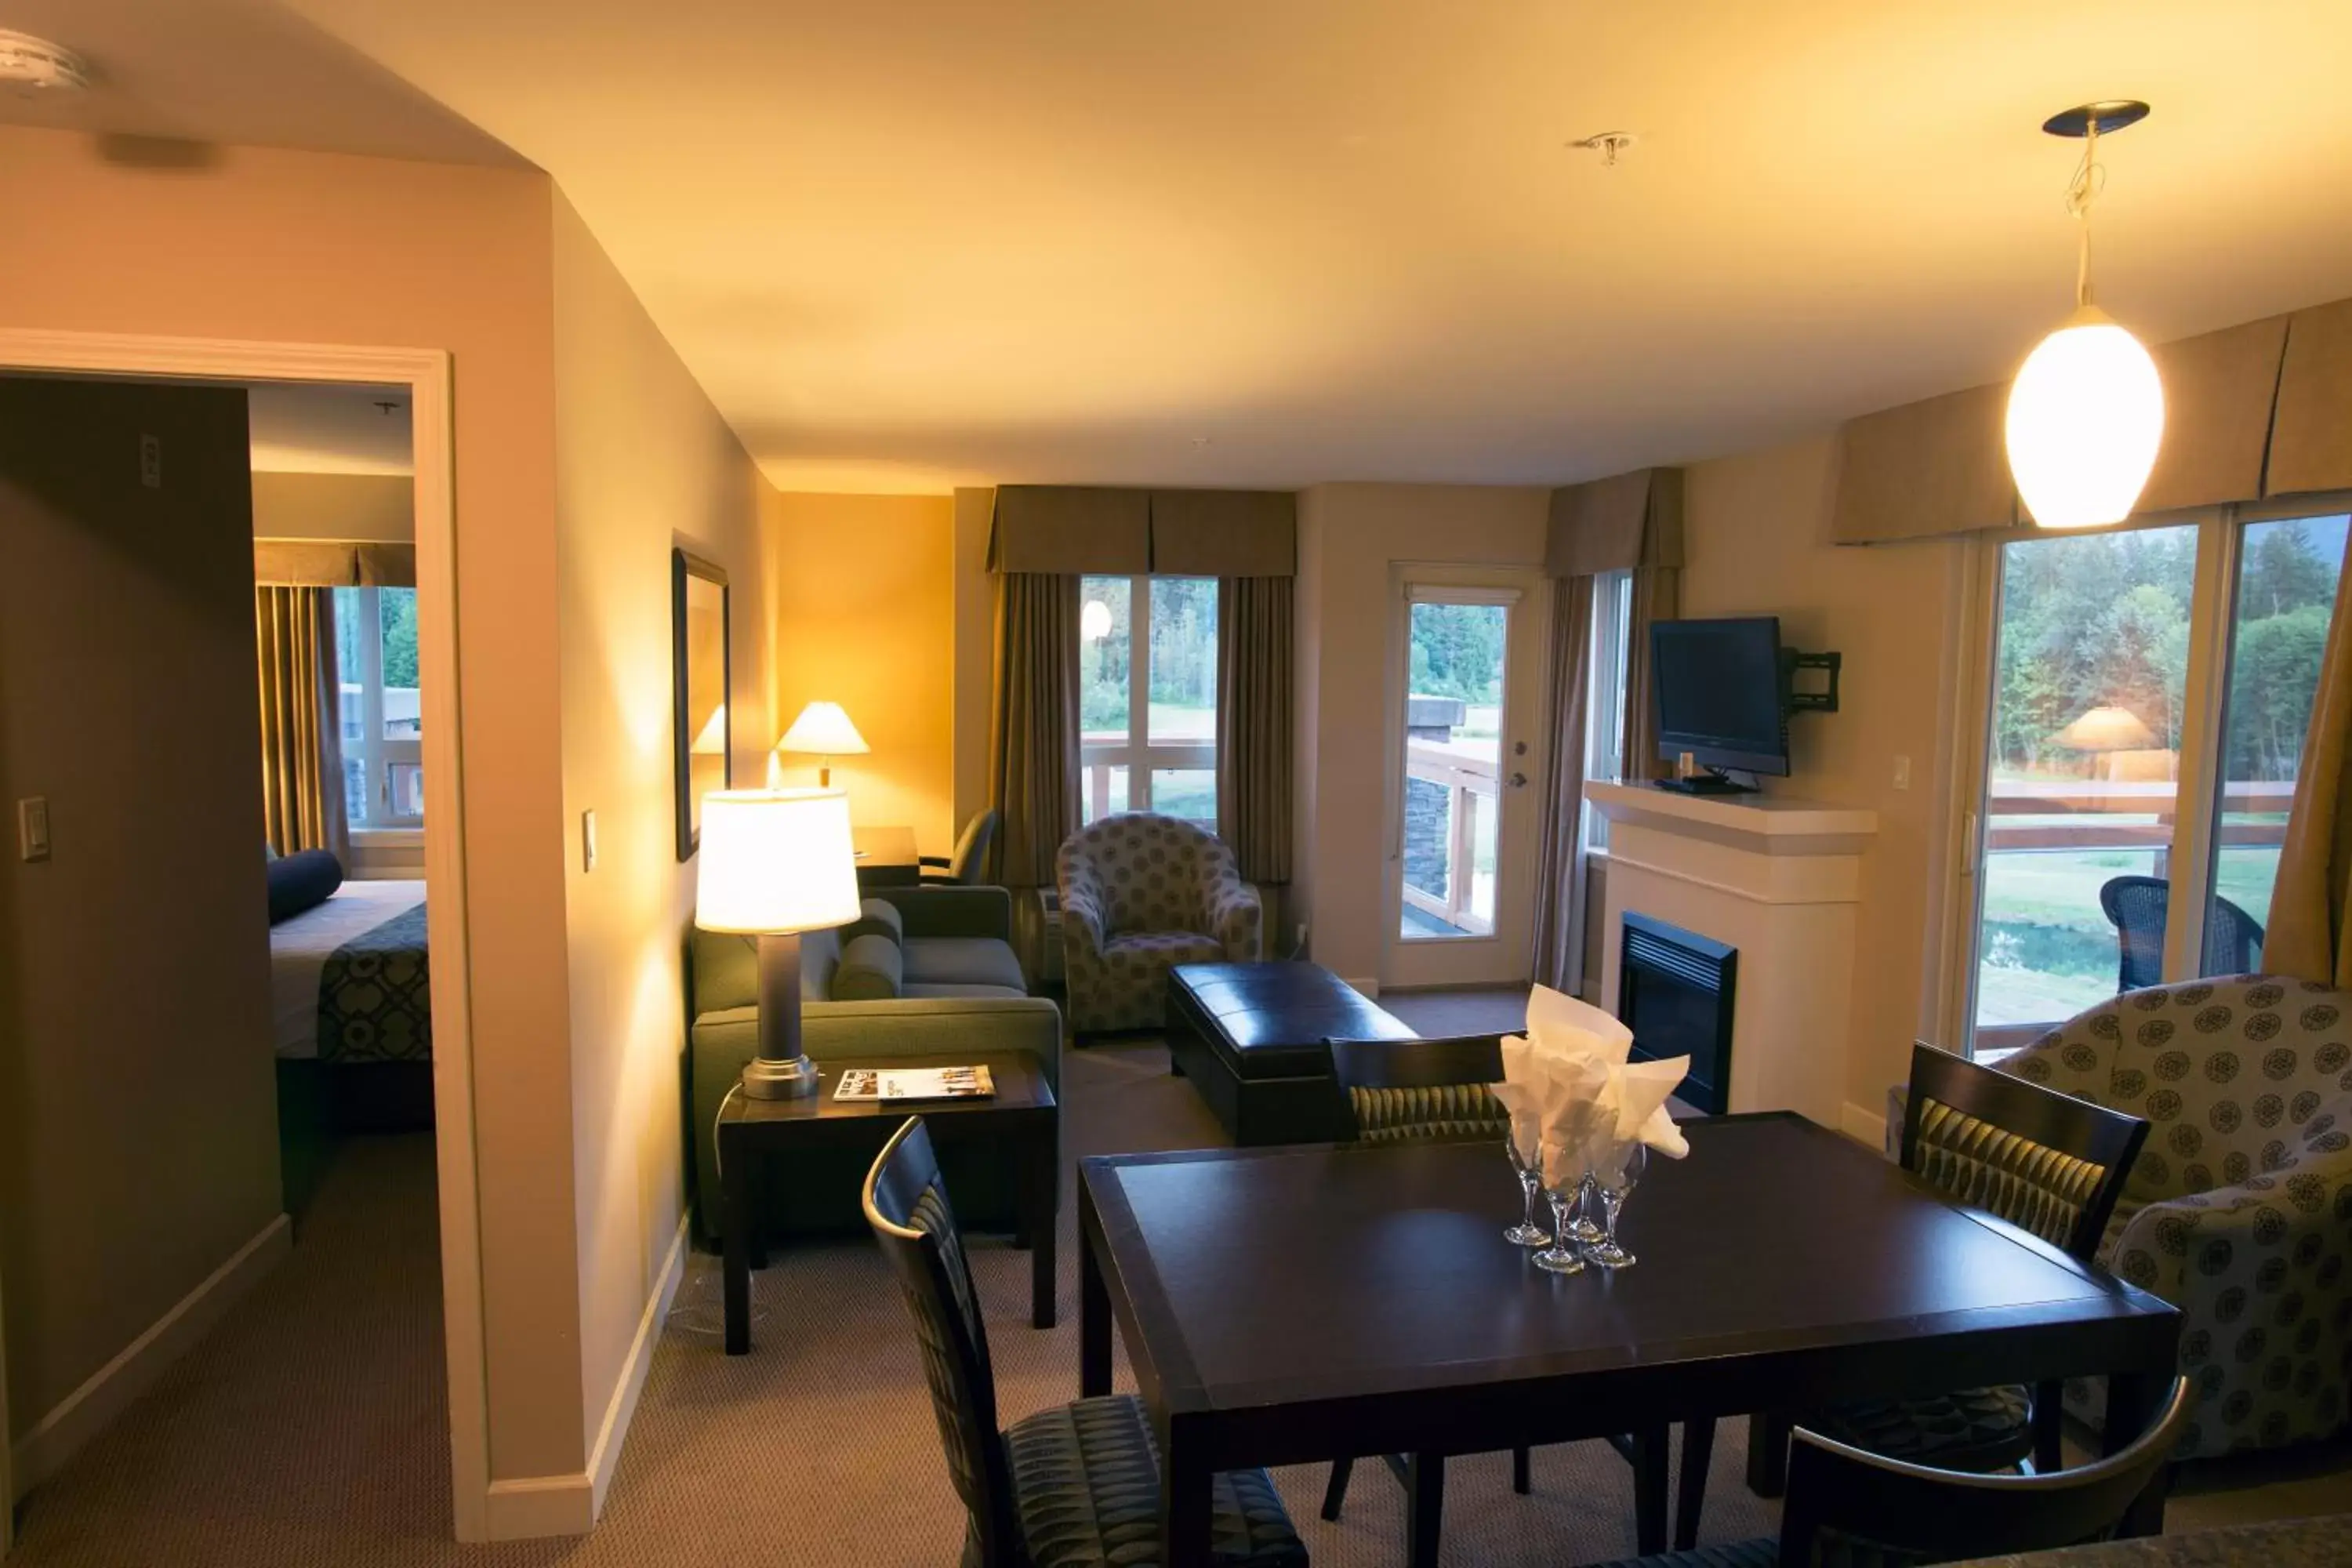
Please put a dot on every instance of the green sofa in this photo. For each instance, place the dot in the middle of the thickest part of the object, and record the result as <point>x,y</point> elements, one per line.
<point>952,988</point>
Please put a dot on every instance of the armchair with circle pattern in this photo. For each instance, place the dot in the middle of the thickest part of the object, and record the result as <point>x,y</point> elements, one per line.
<point>2239,1209</point>
<point>1142,893</point>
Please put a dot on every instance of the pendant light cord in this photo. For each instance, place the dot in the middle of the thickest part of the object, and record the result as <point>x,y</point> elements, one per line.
<point>2090,178</point>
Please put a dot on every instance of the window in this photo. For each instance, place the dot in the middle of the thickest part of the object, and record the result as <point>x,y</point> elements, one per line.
<point>1604,704</point>
<point>2149,691</point>
<point>383,727</point>
<point>1148,695</point>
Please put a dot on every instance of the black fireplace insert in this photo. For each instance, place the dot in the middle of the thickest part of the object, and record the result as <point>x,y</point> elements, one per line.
<point>1676,991</point>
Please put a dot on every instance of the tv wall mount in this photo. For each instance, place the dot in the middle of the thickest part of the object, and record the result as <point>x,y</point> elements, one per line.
<point>1799,695</point>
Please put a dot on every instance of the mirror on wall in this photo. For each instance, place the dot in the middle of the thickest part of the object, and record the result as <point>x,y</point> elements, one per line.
<point>700,690</point>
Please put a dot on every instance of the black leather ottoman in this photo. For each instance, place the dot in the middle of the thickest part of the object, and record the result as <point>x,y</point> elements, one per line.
<point>1250,1036</point>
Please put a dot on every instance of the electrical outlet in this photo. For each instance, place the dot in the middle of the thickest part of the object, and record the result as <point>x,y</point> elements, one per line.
<point>588,840</point>
<point>33,827</point>
<point>151,461</point>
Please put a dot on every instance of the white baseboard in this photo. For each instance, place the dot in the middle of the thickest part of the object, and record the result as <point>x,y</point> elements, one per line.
<point>56,1436</point>
<point>1863,1126</point>
<point>527,1507</point>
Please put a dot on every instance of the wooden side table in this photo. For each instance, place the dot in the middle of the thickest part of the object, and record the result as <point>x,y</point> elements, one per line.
<point>1022,1119</point>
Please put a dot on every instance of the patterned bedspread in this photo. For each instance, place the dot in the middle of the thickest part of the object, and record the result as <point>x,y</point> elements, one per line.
<point>375,1002</point>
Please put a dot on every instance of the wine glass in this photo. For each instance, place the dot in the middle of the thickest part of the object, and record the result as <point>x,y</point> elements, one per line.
<point>1615,1178</point>
<point>1582,1230</point>
<point>1560,1257</point>
<point>1526,1233</point>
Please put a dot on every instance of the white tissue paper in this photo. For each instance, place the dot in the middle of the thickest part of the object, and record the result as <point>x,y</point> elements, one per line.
<point>1572,1095</point>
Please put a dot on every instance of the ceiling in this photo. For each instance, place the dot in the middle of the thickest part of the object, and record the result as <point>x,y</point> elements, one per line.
<point>906,243</point>
<point>313,427</point>
<point>174,76</point>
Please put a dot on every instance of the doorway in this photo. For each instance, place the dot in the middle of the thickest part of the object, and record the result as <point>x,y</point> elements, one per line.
<point>425,376</point>
<point>1464,696</point>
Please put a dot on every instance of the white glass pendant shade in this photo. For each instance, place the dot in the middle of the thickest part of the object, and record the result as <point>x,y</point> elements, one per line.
<point>2086,419</point>
<point>1093,621</point>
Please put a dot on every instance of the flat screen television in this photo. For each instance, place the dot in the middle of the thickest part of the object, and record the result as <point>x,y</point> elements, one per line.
<point>1722,693</point>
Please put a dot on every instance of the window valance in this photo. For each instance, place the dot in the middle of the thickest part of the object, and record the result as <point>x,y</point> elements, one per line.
<point>1077,529</point>
<point>332,563</point>
<point>1616,524</point>
<point>2260,409</point>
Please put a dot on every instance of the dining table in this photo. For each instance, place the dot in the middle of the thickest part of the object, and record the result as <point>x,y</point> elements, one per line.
<point>1286,1305</point>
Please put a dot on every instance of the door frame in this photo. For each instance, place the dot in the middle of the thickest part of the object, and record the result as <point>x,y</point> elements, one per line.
<point>426,374</point>
<point>1528,593</point>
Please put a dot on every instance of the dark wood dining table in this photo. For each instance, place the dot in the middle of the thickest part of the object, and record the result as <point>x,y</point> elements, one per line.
<point>1285,1305</point>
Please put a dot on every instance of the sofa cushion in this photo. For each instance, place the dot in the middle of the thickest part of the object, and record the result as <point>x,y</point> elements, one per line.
<point>915,993</point>
<point>875,917</point>
<point>870,970</point>
<point>963,961</point>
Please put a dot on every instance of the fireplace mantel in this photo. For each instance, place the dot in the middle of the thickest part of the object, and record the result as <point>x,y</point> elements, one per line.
<point>1775,878</point>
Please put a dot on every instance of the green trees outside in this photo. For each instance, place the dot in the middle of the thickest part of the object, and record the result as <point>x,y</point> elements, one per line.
<point>398,606</point>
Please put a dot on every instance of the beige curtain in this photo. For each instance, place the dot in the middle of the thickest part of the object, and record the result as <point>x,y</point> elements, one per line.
<point>2309,936</point>
<point>301,746</point>
<point>1559,866</point>
<point>1254,659</point>
<point>1033,742</point>
<point>1657,596</point>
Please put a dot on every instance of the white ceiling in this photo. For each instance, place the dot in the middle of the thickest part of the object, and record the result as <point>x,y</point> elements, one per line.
<point>911,243</point>
<point>314,428</point>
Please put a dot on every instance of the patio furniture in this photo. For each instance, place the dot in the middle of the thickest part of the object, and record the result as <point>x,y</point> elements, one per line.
<point>1072,1486</point>
<point>2233,941</point>
<point>1142,893</point>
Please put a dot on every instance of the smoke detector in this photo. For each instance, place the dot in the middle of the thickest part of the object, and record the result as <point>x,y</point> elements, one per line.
<point>1608,144</point>
<point>33,64</point>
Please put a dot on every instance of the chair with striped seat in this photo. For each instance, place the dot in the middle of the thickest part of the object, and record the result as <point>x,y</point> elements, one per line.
<point>1076,1486</point>
<point>2046,1163</point>
<point>1411,1092</point>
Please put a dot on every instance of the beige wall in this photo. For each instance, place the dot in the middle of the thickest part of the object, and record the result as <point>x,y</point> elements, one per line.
<point>138,1103</point>
<point>865,610</point>
<point>1756,532</point>
<point>309,249</point>
<point>380,508</point>
<point>975,647</point>
<point>1350,539</point>
<point>643,462</point>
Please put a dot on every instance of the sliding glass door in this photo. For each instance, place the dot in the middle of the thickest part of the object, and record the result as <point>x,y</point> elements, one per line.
<point>2146,696</point>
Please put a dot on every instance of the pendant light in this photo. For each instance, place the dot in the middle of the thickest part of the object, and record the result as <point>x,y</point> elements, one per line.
<point>2086,412</point>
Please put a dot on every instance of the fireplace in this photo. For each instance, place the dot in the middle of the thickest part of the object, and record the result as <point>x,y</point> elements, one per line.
<point>1675,990</point>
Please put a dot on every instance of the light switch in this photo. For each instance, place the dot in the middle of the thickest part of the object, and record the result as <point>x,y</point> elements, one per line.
<point>588,840</point>
<point>151,461</point>
<point>33,827</point>
<point>1902,773</point>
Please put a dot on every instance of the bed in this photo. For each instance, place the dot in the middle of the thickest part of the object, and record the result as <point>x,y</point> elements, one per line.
<point>351,1012</point>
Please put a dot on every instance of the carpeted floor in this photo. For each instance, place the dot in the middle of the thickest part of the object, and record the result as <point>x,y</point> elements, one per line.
<point>310,1429</point>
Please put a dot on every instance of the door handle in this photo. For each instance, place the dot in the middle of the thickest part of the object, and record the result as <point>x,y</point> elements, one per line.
<point>1518,781</point>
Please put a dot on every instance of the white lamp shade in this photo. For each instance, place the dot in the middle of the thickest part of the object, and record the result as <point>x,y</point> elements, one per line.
<point>2086,419</point>
<point>775,861</point>
<point>712,742</point>
<point>823,728</point>
<point>1093,621</point>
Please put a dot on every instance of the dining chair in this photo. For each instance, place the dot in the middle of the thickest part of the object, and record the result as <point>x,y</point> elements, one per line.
<point>969,864</point>
<point>2137,905</point>
<point>1407,1091</point>
<point>1070,1486</point>
<point>1847,1505</point>
<point>2045,1161</point>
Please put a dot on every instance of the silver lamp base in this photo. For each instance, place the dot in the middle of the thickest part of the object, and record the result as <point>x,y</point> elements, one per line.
<point>766,1079</point>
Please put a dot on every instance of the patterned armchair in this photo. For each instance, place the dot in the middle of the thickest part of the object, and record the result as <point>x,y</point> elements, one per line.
<point>2239,1210</point>
<point>1140,894</point>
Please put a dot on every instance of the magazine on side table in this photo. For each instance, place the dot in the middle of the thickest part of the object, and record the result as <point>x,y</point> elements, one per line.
<point>914,1083</point>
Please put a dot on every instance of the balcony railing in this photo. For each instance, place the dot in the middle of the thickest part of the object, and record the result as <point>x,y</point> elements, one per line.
<point>1443,879</point>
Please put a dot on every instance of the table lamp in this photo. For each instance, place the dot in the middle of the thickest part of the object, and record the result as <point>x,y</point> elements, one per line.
<point>825,731</point>
<point>775,863</point>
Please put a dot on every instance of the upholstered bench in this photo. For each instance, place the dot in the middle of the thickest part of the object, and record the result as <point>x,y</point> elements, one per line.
<point>1251,1038</point>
